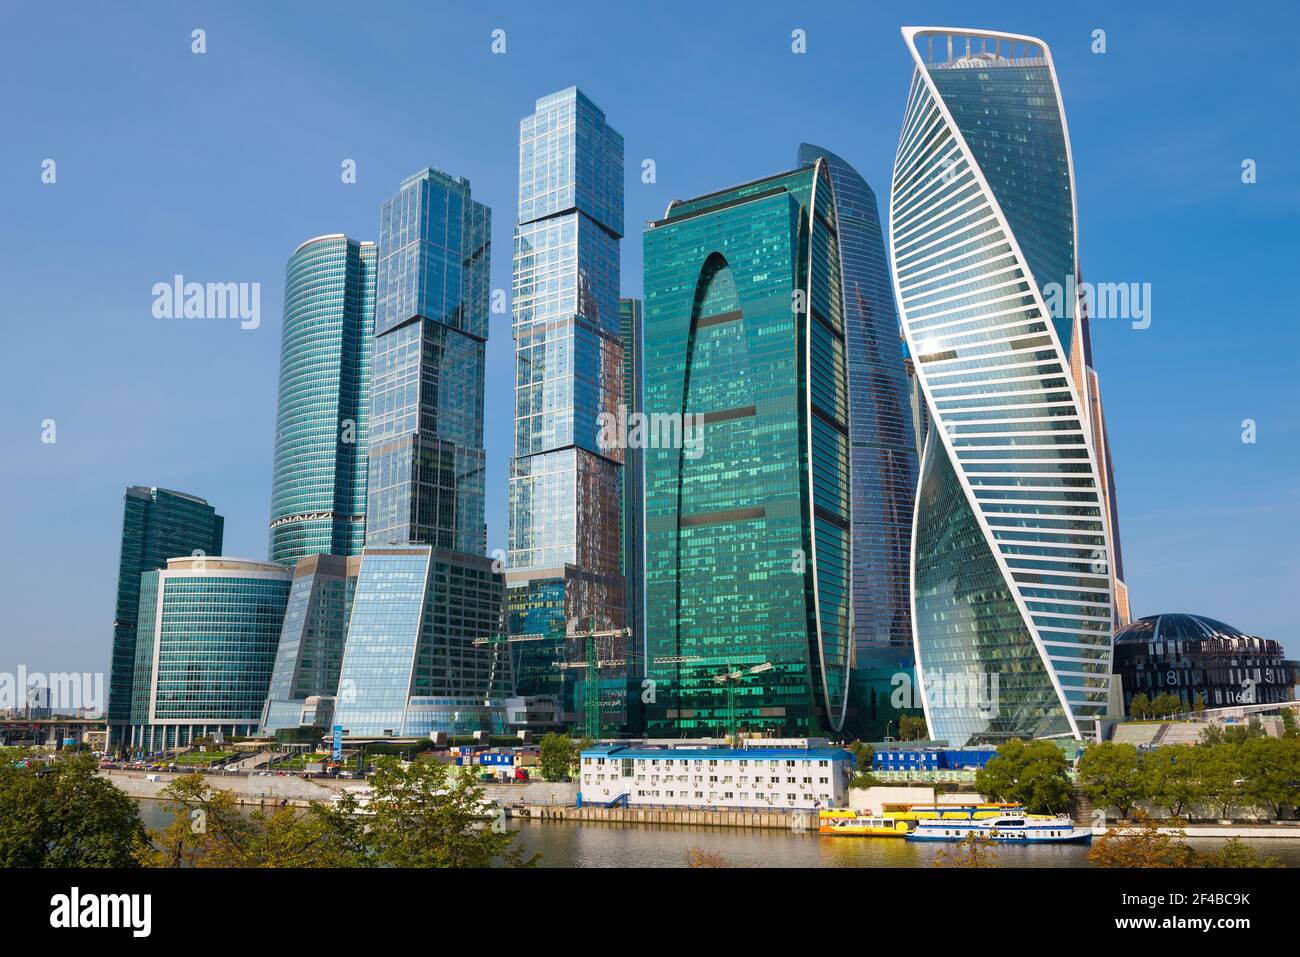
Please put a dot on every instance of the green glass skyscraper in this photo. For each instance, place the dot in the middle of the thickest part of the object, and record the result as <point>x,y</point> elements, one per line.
<point>747,527</point>
<point>157,524</point>
<point>318,488</point>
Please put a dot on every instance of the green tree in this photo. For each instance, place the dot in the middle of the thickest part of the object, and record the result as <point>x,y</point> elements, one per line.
<point>1032,773</point>
<point>558,757</point>
<point>863,756</point>
<point>1288,723</point>
<point>1222,775</point>
<point>1173,778</point>
<point>1271,769</point>
<point>1167,704</point>
<point>1233,733</point>
<point>1140,706</point>
<point>1198,703</point>
<point>65,815</point>
<point>209,829</point>
<point>1111,776</point>
<point>912,728</point>
<point>428,814</point>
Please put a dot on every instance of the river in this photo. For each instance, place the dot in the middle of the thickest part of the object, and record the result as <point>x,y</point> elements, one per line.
<point>589,844</point>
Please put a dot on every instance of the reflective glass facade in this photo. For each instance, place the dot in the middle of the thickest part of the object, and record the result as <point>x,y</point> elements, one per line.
<point>747,538</point>
<point>884,456</point>
<point>205,648</point>
<point>157,524</point>
<point>632,523</point>
<point>310,653</point>
<point>426,406</point>
<point>416,617</point>
<point>1011,565</point>
<point>565,515</point>
<point>318,489</point>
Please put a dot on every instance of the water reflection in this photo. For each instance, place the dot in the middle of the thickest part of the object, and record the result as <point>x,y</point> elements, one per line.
<point>590,844</point>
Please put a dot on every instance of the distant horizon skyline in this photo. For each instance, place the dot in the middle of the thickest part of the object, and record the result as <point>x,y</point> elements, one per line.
<point>1208,521</point>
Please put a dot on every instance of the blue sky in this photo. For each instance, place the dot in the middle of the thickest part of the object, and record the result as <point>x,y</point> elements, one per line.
<point>217,166</point>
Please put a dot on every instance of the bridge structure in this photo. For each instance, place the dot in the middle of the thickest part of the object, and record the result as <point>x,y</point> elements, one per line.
<point>51,732</point>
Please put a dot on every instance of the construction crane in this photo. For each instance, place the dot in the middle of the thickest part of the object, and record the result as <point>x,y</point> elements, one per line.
<point>732,678</point>
<point>592,662</point>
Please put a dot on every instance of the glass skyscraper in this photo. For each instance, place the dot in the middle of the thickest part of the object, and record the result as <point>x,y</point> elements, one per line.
<point>565,551</point>
<point>633,500</point>
<point>205,648</point>
<point>747,529</point>
<point>1012,558</point>
<point>310,653</point>
<point>423,650</point>
<point>318,489</point>
<point>157,524</point>
<point>884,457</point>
<point>426,396</point>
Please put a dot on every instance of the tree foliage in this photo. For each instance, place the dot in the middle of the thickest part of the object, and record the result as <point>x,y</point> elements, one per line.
<point>1111,776</point>
<point>558,757</point>
<point>65,815</point>
<point>1172,778</point>
<point>1032,773</point>
<point>1144,845</point>
<point>912,728</point>
<point>426,814</point>
<point>974,850</point>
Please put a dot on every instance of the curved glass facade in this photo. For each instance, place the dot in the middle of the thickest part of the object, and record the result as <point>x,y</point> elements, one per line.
<point>747,533</point>
<point>318,489</point>
<point>205,648</point>
<point>883,446</point>
<point>1013,607</point>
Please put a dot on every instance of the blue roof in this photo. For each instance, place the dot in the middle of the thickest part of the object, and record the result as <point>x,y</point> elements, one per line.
<point>623,751</point>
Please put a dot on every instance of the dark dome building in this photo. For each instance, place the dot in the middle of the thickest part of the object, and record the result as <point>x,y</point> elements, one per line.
<point>1191,654</point>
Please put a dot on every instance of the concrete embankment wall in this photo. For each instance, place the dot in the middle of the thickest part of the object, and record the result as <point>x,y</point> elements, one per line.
<point>273,791</point>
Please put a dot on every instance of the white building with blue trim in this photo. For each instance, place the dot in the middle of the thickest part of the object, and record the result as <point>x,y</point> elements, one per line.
<point>757,776</point>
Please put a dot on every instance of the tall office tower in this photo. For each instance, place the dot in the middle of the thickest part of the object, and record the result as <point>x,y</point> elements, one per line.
<point>1013,606</point>
<point>1090,387</point>
<point>883,457</point>
<point>310,653</point>
<point>426,398</point>
<point>157,524</point>
<point>632,504</point>
<point>748,521</point>
<point>564,549</point>
<point>205,648</point>
<point>318,488</point>
<point>419,655</point>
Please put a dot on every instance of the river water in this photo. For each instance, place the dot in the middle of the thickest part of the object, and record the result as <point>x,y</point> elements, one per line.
<point>590,844</point>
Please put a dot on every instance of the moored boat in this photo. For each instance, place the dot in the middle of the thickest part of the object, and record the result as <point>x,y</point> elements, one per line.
<point>1004,829</point>
<point>861,825</point>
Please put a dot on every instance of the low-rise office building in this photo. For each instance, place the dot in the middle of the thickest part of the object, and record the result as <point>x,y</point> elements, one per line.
<point>204,649</point>
<point>753,777</point>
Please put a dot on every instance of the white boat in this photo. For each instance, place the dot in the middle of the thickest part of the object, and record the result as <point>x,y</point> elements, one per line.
<point>1005,829</point>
